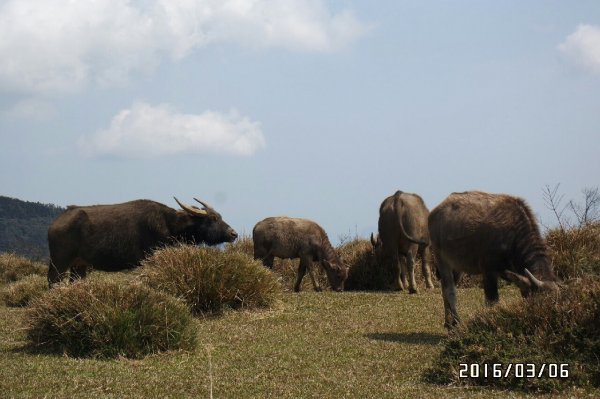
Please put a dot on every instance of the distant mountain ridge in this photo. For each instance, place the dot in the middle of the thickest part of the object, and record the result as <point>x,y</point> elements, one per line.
<point>24,226</point>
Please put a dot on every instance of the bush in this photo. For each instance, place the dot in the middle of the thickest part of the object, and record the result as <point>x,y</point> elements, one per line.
<point>22,292</point>
<point>364,273</point>
<point>561,327</point>
<point>209,280</point>
<point>14,267</point>
<point>104,319</point>
<point>575,252</point>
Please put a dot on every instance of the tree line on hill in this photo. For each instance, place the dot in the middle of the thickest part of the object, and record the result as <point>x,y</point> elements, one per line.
<point>24,227</point>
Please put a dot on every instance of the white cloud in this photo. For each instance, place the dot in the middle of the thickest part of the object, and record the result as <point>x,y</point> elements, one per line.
<point>61,46</point>
<point>146,131</point>
<point>583,47</point>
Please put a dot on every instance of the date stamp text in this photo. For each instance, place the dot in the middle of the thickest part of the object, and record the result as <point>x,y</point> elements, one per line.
<point>513,370</point>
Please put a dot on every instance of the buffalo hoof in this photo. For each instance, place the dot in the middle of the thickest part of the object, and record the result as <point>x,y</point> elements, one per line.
<point>412,291</point>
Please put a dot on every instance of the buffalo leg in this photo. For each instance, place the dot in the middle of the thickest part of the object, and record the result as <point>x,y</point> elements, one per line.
<point>304,263</point>
<point>78,270</point>
<point>425,269</point>
<point>399,273</point>
<point>268,261</point>
<point>448,293</point>
<point>54,275</point>
<point>490,288</point>
<point>315,283</point>
<point>410,266</point>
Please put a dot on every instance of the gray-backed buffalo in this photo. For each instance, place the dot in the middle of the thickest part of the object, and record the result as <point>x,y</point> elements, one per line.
<point>119,236</point>
<point>402,235</point>
<point>491,234</point>
<point>290,238</point>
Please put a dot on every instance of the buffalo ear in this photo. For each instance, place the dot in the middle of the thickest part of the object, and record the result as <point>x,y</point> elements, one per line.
<point>522,282</point>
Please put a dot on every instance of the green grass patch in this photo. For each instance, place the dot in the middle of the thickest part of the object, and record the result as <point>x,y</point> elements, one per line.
<point>210,280</point>
<point>107,319</point>
<point>314,345</point>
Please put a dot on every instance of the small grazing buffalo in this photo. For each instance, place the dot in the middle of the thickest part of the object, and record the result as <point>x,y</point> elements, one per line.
<point>119,236</point>
<point>491,234</point>
<point>290,238</point>
<point>403,234</point>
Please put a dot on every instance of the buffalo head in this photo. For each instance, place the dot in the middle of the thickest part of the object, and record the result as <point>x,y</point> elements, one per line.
<point>205,225</point>
<point>337,273</point>
<point>529,284</point>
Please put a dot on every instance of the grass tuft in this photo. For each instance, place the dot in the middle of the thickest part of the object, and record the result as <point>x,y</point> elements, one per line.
<point>104,319</point>
<point>14,267</point>
<point>364,273</point>
<point>210,280</point>
<point>22,292</point>
<point>548,328</point>
<point>575,252</point>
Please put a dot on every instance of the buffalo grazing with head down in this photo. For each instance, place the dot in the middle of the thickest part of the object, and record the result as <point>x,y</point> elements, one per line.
<point>402,235</point>
<point>116,237</point>
<point>491,234</point>
<point>289,238</point>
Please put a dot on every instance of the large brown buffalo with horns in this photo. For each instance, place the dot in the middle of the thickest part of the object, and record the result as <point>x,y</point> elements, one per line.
<point>402,236</point>
<point>289,238</point>
<point>491,234</point>
<point>119,236</point>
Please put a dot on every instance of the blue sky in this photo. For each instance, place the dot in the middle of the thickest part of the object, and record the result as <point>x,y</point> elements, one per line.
<point>316,109</point>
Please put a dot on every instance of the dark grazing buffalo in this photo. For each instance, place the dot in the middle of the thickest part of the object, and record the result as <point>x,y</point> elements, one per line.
<point>119,236</point>
<point>290,238</point>
<point>402,235</point>
<point>491,234</point>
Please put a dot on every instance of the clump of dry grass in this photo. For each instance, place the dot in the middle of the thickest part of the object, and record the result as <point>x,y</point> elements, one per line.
<point>210,280</point>
<point>106,319</point>
<point>575,252</point>
<point>22,292</point>
<point>14,267</point>
<point>243,244</point>
<point>547,328</point>
<point>364,273</point>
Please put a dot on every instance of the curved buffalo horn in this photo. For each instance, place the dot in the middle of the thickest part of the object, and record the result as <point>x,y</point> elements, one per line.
<point>373,242</point>
<point>533,279</point>
<point>191,209</point>
<point>204,204</point>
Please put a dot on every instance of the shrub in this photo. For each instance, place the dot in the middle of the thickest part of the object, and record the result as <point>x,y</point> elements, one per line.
<point>105,319</point>
<point>364,273</point>
<point>575,252</point>
<point>14,267</point>
<point>22,292</point>
<point>558,327</point>
<point>209,280</point>
<point>243,244</point>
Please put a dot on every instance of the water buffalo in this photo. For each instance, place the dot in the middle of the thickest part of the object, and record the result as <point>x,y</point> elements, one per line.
<point>119,236</point>
<point>403,234</point>
<point>491,234</point>
<point>290,238</point>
